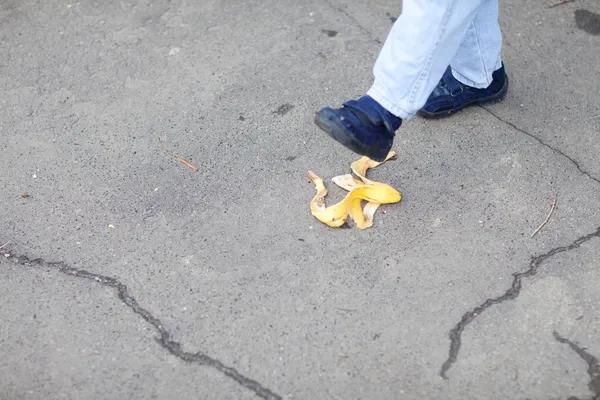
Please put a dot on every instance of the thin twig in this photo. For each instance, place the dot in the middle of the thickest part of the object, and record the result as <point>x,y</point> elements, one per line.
<point>345,309</point>
<point>162,147</point>
<point>547,218</point>
<point>560,3</point>
<point>5,244</point>
<point>187,164</point>
<point>178,159</point>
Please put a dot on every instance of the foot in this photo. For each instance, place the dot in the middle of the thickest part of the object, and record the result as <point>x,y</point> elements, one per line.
<point>362,125</point>
<point>450,95</point>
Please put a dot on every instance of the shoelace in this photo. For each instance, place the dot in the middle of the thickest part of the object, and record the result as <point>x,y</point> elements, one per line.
<point>453,85</point>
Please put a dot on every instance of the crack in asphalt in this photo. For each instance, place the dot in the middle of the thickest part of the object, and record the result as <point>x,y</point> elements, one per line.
<point>164,340</point>
<point>351,17</point>
<point>581,170</point>
<point>593,366</point>
<point>510,294</point>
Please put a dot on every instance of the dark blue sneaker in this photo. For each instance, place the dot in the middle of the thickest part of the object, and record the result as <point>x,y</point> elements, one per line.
<point>362,125</point>
<point>450,95</point>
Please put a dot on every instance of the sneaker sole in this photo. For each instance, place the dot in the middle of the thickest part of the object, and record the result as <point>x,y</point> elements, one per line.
<point>477,102</point>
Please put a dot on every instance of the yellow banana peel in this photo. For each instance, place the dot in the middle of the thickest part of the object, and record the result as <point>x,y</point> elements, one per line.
<point>361,166</point>
<point>374,193</point>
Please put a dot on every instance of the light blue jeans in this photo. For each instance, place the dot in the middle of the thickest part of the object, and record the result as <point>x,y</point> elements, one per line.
<point>428,36</point>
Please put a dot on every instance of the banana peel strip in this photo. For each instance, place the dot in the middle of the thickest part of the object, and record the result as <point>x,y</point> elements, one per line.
<point>374,193</point>
<point>361,166</point>
<point>349,183</point>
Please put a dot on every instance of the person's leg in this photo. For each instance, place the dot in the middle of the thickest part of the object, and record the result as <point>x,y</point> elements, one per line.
<point>478,55</point>
<point>476,74</point>
<point>419,48</point>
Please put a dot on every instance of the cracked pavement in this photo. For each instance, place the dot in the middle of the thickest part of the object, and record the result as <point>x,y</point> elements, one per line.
<point>126,274</point>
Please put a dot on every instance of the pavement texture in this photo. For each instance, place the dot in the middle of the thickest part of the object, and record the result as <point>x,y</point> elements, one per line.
<point>127,275</point>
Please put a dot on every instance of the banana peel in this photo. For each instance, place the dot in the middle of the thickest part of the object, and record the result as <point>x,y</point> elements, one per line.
<point>361,166</point>
<point>374,193</point>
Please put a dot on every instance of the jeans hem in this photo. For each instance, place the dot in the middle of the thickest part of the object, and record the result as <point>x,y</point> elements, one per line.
<point>378,95</point>
<point>466,81</point>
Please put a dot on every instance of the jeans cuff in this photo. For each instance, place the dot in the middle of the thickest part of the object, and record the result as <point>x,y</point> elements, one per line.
<point>466,81</point>
<point>377,92</point>
<point>478,85</point>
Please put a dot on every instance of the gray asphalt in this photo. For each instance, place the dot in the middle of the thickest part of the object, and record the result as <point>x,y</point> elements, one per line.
<point>127,275</point>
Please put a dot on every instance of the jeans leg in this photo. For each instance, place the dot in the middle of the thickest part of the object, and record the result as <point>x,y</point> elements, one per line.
<point>417,51</point>
<point>479,53</point>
